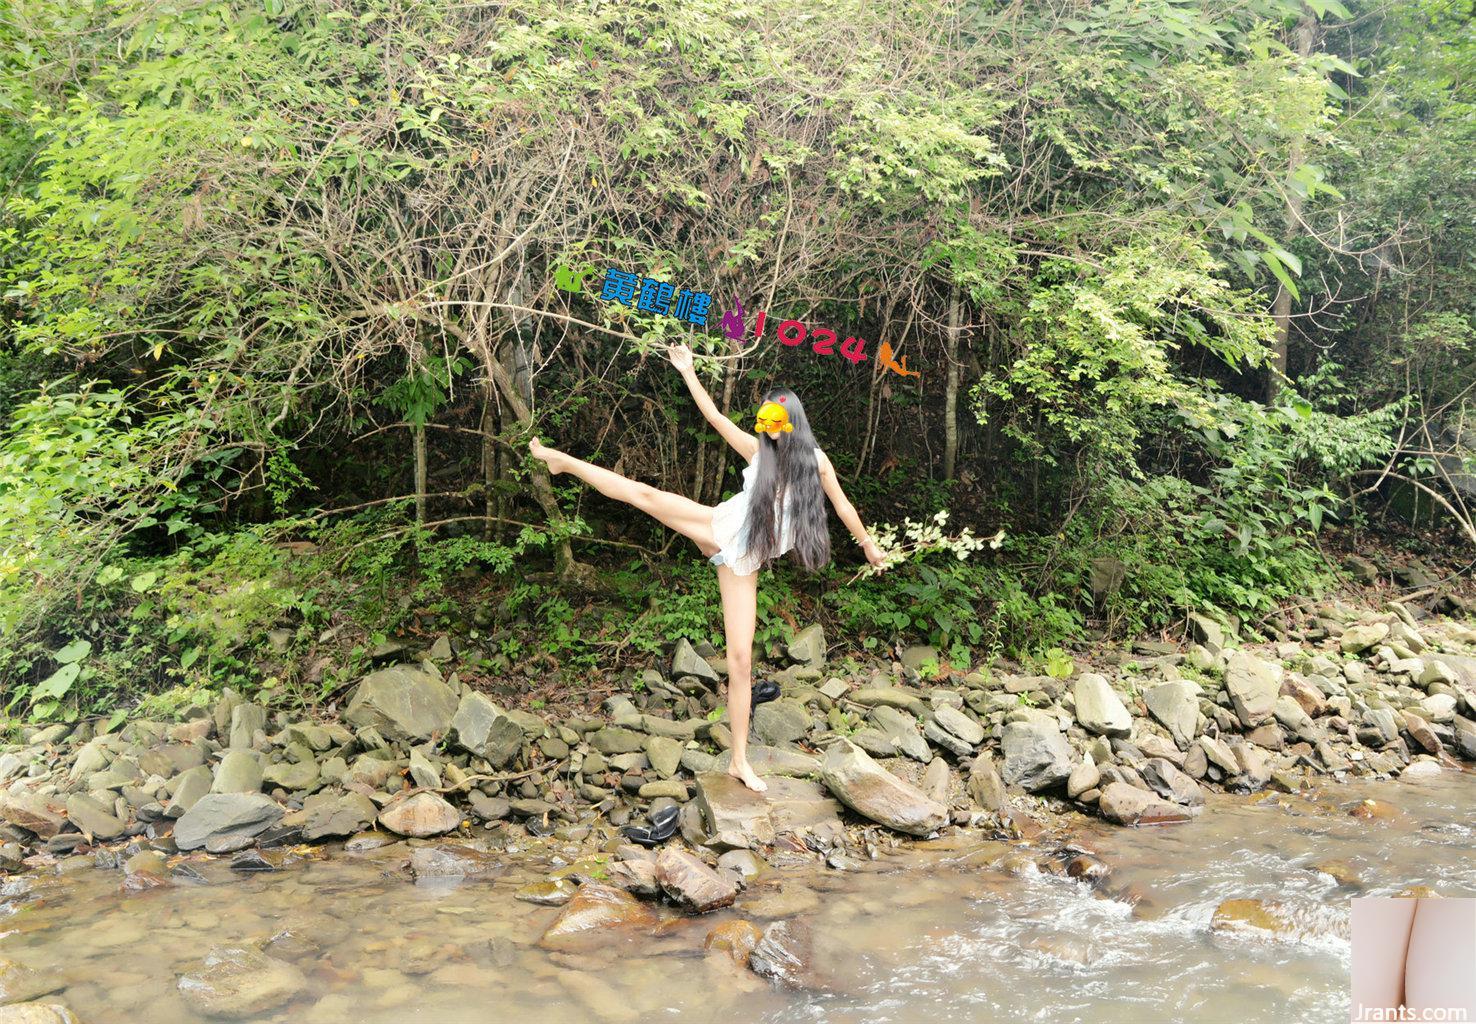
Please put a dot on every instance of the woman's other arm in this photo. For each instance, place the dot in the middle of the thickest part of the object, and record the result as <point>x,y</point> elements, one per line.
<point>846,510</point>
<point>743,442</point>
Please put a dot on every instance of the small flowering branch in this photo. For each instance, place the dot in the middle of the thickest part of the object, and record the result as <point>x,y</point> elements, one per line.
<point>920,539</point>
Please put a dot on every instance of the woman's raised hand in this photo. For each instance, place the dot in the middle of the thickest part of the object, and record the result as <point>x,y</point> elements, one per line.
<point>681,356</point>
<point>873,553</point>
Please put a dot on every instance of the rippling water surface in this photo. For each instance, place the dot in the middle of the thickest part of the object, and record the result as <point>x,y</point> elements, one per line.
<point>975,932</point>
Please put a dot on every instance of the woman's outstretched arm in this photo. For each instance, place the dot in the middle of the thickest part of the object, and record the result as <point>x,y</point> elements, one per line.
<point>846,510</point>
<point>1381,930</point>
<point>743,442</point>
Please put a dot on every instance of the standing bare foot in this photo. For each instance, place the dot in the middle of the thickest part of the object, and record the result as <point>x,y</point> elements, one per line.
<point>744,774</point>
<point>552,456</point>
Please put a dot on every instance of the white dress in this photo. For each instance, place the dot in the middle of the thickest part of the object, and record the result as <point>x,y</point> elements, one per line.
<point>729,526</point>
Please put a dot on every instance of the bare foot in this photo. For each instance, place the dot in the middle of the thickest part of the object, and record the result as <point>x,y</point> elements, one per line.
<point>744,774</point>
<point>552,456</point>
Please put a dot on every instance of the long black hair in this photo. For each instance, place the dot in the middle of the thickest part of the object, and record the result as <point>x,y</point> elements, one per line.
<point>789,463</point>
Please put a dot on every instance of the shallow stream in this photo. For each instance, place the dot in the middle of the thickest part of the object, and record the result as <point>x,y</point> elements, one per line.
<point>974,932</point>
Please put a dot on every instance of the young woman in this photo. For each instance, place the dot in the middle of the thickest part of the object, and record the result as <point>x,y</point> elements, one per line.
<point>743,533</point>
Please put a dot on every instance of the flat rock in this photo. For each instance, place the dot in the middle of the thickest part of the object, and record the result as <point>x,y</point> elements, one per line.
<point>959,724</point>
<point>342,816</point>
<point>19,984</point>
<point>873,792</point>
<point>222,817</point>
<point>33,814</point>
<point>770,761</point>
<point>452,862</point>
<point>93,817</point>
<point>239,983</point>
<point>420,816</point>
<point>796,805</point>
<point>734,816</point>
<point>594,917</point>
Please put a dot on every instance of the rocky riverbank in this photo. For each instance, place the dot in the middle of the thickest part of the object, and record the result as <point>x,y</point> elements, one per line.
<point>857,764</point>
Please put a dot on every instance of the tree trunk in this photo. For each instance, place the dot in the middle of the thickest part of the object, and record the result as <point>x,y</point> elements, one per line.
<point>950,396</point>
<point>1304,35</point>
<point>420,487</point>
<point>487,427</point>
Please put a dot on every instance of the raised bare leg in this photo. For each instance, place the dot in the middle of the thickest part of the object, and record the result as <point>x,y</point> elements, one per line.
<point>689,518</point>
<point>740,610</point>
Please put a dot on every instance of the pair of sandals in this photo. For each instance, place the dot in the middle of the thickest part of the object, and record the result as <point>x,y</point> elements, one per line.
<point>663,826</point>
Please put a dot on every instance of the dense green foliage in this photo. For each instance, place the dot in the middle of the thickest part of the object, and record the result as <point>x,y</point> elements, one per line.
<point>277,314</point>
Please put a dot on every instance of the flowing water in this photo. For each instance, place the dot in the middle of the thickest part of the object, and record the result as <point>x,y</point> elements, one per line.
<point>975,931</point>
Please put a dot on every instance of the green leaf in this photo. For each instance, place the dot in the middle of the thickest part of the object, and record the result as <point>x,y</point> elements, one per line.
<point>144,581</point>
<point>1281,274</point>
<point>74,651</point>
<point>57,684</point>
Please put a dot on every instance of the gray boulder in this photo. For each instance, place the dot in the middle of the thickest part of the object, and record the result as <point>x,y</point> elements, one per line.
<point>422,815</point>
<point>1098,707</point>
<point>1253,684</point>
<point>1360,637</point>
<point>808,646</point>
<point>687,662</point>
<point>873,792</point>
<point>402,702</point>
<point>781,721</point>
<point>239,771</point>
<point>1172,784</point>
<point>188,787</point>
<point>1036,755</point>
<point>733,815</point>
<point>691,883</point>
<point>901,728</point>
<point>481,728</point>
<point>1128,805</point>
<point>1176,706</point>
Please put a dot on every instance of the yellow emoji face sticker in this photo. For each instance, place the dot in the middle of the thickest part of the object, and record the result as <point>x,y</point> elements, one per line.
<point>772,416</point>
